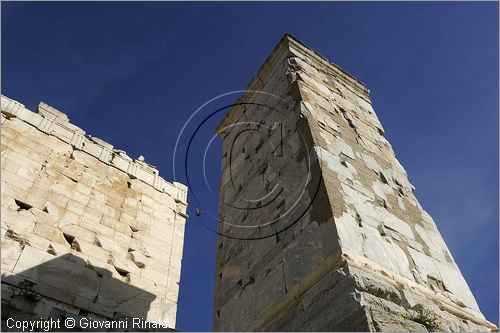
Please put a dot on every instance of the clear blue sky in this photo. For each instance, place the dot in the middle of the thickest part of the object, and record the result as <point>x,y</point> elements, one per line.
<point>132,73</point>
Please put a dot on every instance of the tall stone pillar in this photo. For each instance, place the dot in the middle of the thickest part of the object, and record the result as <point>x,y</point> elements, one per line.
<point>320,228</point>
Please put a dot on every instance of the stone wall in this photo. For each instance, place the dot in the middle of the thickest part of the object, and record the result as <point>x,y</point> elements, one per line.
<point>87,231</point>
<point>321,229</point>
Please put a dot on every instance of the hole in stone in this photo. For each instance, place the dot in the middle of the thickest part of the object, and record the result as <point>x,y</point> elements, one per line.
<point>45,210</point>
<point>137,263</point>
<point>251,280</point>
<point>51,250</point>
<point>122,272</point>
<point>72,242</point>
<point>130,250</point>
<point>380,131</point>
<point>349,121</point>
<point>435,283</point>
<point>386,227</point>
<point>22,205</point>
<point>381,230</point>
<point>69,239</point>
<point>75,246</point>
<point>400,191</point>
<point>382,202</point>
<point>358,219</point>
<point>129,184</point>
<point>72,179</point>
<point>239,283</point>
<point>351,124</point>
<point>12,235</point>
<point>382,178</point>
<point>97,242</point>
<point>133,229</point>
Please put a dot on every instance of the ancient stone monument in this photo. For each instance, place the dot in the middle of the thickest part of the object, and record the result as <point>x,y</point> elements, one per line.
<point>320,228</point>
<point>87,232</point>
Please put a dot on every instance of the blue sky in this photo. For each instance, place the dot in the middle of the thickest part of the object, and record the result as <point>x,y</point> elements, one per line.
<point>132,73</point>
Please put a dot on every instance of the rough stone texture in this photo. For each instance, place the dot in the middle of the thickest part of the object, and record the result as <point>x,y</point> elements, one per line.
<point>86,230</point>
<point>350,248</point>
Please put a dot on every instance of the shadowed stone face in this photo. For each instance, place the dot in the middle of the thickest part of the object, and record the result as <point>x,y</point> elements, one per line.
<point>325,233</point>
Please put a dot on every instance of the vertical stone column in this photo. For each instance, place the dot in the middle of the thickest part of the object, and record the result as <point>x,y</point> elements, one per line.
<point>320,228</point>
<point>87,231</point>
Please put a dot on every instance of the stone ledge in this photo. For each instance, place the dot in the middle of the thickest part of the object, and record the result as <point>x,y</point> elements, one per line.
<point>54,122</point>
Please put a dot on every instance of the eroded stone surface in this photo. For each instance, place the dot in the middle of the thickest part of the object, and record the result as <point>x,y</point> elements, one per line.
<point>86,230</point>
<point>344,244</point>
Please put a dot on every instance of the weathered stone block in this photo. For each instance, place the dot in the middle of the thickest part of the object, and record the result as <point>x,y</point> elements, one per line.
<point>49,232</point>
<point>11,250</point>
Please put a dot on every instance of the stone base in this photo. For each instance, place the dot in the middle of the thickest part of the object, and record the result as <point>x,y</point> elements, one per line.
<point>350,299</point>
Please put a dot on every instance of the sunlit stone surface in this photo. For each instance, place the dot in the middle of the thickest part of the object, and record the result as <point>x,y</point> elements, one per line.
<point>342,243</point>
<point>87,232</point>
